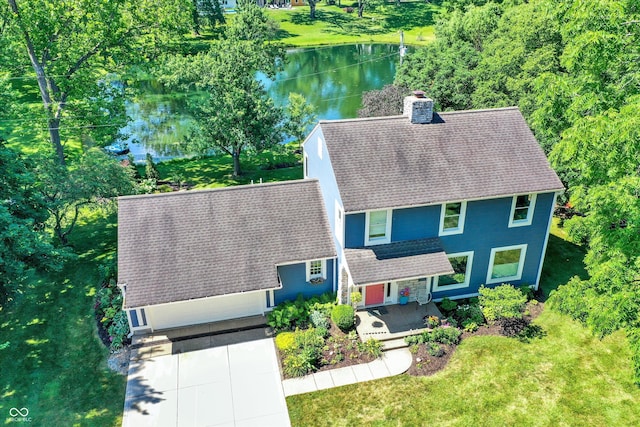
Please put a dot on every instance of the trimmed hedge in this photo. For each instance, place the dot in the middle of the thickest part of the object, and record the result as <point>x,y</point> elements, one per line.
<point>343,316</point>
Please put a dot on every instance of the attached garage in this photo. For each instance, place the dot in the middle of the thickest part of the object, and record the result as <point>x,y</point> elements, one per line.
<point>205,310</point>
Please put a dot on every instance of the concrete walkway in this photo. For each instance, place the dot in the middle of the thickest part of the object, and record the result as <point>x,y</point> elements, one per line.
<point>391,363</point>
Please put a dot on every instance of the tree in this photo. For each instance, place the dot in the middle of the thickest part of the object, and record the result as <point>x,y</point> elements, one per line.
<point>151,171</point>
<point>70,44</point>
<point>23,244</point>
<point>312,9</point>
<point>369,5</point>
<point>236,114</point>
<point>388,101</point>
<point>208,12</point>
<point>95,180</point>
<point>300,116</point>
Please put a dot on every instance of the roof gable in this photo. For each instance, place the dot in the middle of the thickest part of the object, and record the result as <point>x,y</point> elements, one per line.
<point>388,162</point>
<point>197,244</point>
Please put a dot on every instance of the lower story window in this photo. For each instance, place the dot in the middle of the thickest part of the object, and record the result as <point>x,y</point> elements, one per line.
<point>461,263</point>
<point>506,263</point>
<point>316,270</point>
<point>138,317</point>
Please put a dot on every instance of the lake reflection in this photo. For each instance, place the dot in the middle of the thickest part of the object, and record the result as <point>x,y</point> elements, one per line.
<point>332,79</point>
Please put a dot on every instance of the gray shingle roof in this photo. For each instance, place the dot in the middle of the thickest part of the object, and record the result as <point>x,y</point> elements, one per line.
<point>196,244</point>
<point>388,162</point>
<point>399,260</point>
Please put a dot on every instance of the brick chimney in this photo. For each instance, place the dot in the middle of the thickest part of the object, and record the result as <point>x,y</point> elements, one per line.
<point>418,108</point>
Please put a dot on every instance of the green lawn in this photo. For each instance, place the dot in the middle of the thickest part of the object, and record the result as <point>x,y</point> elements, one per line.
<point>567,377</point>
<point>334,26</point>
<point>216,171</point>
<point>52,360</point>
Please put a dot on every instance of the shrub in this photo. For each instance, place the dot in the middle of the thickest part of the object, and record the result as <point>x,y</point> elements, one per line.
<point>447,305</point>
<point>371,347</point>
<point>356,298</point>
<point>319,319</point>
<point>285,341</point>
<point>342,315</point>
<point>108,308</point>
<point>469,312</point>
<point>502,302</point>
<point>446,335</point>
<point>308,341</point>
<point>322,332</point>
<point>470,326</point>
<point>287,316</point>
<point>527,291</point>
<point>434,349</point>
<point>450,321</point>
<point>299,364</point>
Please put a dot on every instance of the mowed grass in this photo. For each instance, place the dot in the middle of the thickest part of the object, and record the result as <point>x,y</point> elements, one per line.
<point>567,377</point>
<point>52,361</point>
<point>335,26</point>
<point>217,171</point>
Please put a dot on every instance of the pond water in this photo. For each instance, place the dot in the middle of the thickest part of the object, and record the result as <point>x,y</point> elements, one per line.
<point>332,79</point>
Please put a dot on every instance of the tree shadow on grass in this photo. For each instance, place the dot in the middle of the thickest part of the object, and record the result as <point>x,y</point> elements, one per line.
<point>409,15</point>
<point>341,22</point>
<point>562,261</point>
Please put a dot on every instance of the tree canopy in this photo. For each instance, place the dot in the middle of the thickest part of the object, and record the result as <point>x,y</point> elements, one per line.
<point>23,213</point>
<point>71,46</point>
<point>573,68</point>
<point>236,113</point>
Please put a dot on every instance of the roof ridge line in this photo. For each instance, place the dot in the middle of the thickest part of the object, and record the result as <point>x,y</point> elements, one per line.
<point>219,189</point>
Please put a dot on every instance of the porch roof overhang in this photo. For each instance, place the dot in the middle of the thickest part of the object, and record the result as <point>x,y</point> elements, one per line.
<point>397,261</point>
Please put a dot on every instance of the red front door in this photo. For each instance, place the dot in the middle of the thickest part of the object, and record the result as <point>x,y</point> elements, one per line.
<point>374,295</point>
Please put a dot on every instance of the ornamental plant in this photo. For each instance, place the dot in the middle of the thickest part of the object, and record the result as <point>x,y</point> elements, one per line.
<point>405,292</point>
<point>343,316</point>
<point>502,302</point>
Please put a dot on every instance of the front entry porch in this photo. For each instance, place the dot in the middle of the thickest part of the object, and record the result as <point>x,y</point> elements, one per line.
<point>392,322</point>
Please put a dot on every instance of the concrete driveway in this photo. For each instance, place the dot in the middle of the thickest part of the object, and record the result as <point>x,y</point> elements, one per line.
<point>232,385</point>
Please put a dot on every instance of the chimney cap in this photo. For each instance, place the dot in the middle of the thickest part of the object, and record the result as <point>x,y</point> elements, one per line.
<point>419,93</point>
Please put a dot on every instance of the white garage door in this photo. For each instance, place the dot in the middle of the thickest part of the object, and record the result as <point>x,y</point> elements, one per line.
<point>206,310</point>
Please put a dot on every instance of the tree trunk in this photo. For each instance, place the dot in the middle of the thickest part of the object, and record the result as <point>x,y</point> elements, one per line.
<point>312,9</point>
<point>236,163</point>
<point>360,8</point>
<point>53,119</point>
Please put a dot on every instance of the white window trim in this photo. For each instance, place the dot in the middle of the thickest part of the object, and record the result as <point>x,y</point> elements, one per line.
<point>339,223</point>
<point>141,319</point>
<point>320,148</point>
<point>529,219</point>
<point>387,234</point>
<point>518,276</point>
<point>460,228</point>
<point>467,278</point>
<point>323,274</point>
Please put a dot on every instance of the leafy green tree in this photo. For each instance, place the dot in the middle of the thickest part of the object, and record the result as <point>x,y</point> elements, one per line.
<point>94,180</point>
<point>300,116</point>
<point>208,12</point>
<point>70,44</point>
<point>236,114</point>
<point>23,244</point>
<point>151,171</point>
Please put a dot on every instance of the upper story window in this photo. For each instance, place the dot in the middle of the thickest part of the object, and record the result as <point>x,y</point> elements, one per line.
<point>461,263</point>
<point>306,166</point>
<point>522,208</point>
<point>506,263</point>
<point>320,148</point>
<point>316,270</point>
<point>378,227</point>
<point>452,218</point>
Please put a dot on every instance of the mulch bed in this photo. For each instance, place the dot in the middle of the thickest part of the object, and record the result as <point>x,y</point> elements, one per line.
<point>425,364</point>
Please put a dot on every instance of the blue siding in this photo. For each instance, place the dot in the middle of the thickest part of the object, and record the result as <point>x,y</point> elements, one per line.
<point>354,230</point>
<point>487,227</point>
<point>293,282</point>
<point>415,223</point>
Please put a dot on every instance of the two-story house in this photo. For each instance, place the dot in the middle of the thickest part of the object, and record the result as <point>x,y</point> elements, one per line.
<point>437,203</point>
